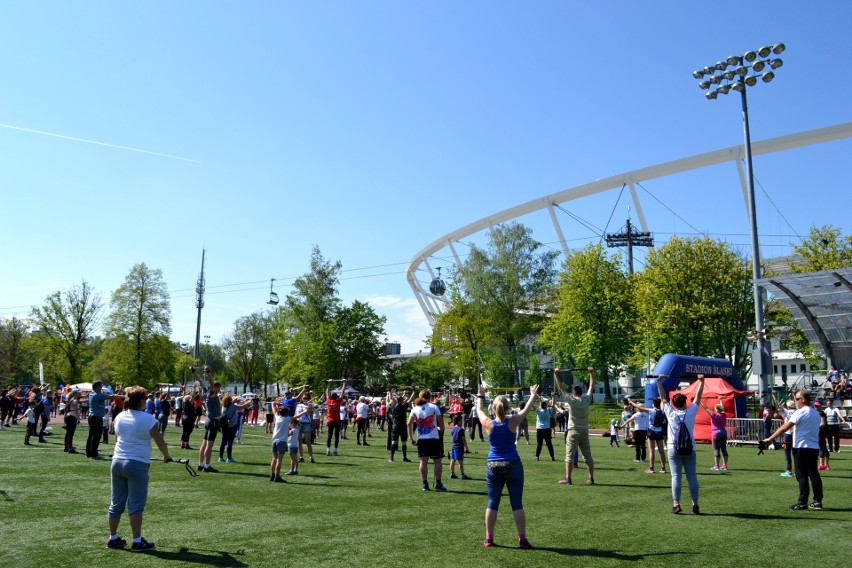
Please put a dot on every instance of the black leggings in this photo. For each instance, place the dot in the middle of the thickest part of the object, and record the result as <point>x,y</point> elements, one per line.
<point>473,426</point>
<point>96,430</point>
<point>543,435</point>
<point>833,439</point>
<point>639,437</point>
<point>361,428</point>
<point>333,429</point>
<point>188,427</point>
<point>227,443</point>
<point>70,428</point>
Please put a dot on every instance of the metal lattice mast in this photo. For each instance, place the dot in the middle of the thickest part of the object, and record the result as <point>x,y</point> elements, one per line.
<point>199,303</point>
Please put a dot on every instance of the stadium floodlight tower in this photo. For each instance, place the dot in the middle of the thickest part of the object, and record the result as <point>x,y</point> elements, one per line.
<point>738,72</point>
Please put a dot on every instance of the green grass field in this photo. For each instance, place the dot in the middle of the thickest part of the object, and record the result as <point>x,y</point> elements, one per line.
<point>359,510</point>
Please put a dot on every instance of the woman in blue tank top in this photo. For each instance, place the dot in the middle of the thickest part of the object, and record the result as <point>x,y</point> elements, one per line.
<point>504,466</point>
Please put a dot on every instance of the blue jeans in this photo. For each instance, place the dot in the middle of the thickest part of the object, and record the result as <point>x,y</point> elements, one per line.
<point>678,465</point>
<point>129,486</point>
<point>513,480</point>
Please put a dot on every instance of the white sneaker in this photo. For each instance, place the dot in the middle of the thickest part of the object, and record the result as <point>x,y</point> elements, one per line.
<point>335,452</point>
<point>327,451</point>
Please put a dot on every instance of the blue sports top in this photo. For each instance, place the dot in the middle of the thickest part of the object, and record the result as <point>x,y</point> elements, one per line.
<point>502,443</point>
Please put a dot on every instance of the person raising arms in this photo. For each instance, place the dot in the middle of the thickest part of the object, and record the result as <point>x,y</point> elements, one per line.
<point>577,435</point>
<point>504,467</point>
<point>679,416</point>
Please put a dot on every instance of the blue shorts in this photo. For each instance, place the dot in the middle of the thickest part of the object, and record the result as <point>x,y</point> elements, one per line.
<point>294,450</point>
<point>279,447</point>
<point>305,427</point>
<point>457,454</point>
<point>128,487</point>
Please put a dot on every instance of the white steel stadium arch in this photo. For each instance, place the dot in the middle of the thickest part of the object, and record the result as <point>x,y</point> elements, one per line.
<point>431,304</point>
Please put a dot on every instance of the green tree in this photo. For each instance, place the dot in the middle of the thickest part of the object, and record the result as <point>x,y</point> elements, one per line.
<point>458,333</point>
<point>66,324</point>
<point>12,332</point>
<point>432,372</point>
<point>304,328</point>
<point>508,285</point>
<point>825,248</point>
<point>141,320</point>
<point>247,348</point>
<point>695,298</point>
<point>594,313</point>
<point>360,348</point>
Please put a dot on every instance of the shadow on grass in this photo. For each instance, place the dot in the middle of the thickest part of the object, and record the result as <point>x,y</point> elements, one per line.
<point>598,553</point>
<point>247,474</point>
<point>759,517</point>
<point>630,485</point>
<point>315,476</point>
<point>217,558</point>
<point>466,492</point>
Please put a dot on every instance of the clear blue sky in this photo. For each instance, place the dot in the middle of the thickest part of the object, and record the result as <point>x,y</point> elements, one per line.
<point>372,128</point>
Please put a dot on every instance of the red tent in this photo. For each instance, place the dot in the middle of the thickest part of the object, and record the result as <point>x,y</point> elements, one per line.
<point>713,389</point>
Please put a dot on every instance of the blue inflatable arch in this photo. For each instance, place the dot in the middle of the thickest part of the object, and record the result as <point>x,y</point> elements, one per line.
<point>679,368</point>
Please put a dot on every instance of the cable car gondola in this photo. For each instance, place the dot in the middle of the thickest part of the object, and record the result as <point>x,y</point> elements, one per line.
<point>273,297</point>
<point>437,286</point>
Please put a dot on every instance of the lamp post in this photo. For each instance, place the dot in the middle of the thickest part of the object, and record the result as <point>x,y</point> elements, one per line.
<point>738,72</point>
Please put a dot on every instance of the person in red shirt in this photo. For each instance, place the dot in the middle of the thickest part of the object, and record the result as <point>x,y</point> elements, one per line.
<point>333,401</point>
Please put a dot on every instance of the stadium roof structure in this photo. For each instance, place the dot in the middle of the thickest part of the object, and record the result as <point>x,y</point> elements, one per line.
<point>822,304</point>
<point>433,304</point>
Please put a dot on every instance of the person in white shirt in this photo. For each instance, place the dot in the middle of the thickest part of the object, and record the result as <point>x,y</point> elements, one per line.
<point>134,430</point>
<point>362,414</point>
<point>430,430</point>
<point>805,424</point>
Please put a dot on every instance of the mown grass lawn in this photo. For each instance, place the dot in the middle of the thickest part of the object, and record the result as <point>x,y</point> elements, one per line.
<point>359,510</point>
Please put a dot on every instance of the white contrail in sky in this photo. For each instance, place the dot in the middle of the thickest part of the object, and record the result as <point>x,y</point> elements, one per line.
<point>75,139</point>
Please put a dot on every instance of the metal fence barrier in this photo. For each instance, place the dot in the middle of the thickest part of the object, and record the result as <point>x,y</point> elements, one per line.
<point>747,430</point>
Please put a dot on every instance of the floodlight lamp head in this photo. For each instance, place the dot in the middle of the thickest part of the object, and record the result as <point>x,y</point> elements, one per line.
<point>750,56</point>
<point>709,70</point>
<point>751,81</point>
<point>778,48</point>
<point>738,86</point>
<point>729,75</point>
<point>720,65</point>
<point>758,66</point>
<point>733,60</point>
<point>724,89</point>
<point>742,71</point>
<point>716,79</point>
<point>704,85</point>
<point>768,76</point>
<point>711,95</point>
<point>775,63</point>
<point>764,51</point>
<point>698,74</point>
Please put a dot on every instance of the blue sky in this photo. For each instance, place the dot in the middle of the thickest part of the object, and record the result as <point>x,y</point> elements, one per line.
<point>372,128</point>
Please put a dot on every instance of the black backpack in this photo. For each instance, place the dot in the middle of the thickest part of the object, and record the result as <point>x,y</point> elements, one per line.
<point>660,420</point>
<point>683,440</point>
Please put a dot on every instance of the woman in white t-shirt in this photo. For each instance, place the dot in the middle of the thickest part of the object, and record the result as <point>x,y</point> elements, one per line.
<point>131,458</point>
<point>427,422</point>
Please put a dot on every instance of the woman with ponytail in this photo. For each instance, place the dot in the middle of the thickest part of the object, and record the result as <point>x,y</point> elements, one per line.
<point>504,466</point>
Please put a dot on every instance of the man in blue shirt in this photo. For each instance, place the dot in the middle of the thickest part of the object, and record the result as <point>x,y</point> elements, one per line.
<point>44,416</point>
<point>97,411</point>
